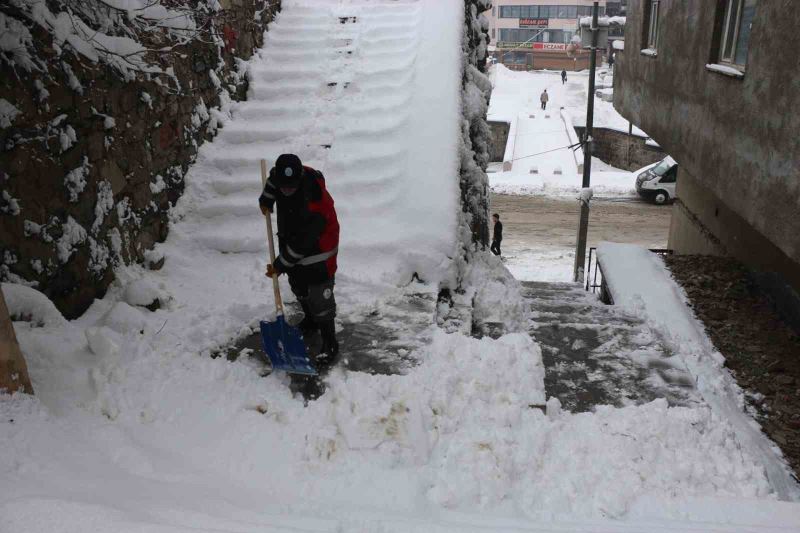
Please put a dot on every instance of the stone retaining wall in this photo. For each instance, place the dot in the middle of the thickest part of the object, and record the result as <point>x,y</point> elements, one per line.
<point>628,152</point>
<point>499,140</point>
<point>92,157</point>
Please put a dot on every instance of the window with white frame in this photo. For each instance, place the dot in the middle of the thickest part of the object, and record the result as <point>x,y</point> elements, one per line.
<point>652,24</point>
<point>735,37</point>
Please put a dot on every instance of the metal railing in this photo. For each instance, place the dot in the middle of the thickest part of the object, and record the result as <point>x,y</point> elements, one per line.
<point>594,285</point>
<point>591,277</point>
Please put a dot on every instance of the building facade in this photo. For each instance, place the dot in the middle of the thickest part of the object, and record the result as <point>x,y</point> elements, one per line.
<point>709,81</point>
<point>536,34</point>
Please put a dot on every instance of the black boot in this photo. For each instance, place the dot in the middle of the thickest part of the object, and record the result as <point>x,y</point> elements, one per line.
<point>330,346</point>
<point>307,326</point>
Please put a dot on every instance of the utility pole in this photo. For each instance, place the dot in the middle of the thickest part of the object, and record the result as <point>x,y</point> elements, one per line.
<point>583,227</point>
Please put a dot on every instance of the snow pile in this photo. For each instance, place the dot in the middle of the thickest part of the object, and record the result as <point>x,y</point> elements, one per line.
<point>463,431</point>
<point>29,305</point>
<point>639,282</point>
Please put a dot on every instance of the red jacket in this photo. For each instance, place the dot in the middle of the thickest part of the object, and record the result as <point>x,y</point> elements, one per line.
<point>308,229</point>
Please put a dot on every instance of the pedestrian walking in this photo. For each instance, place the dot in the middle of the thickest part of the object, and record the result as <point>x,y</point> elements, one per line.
<point>563,77</point>
<point>544,98</point>
<point>308,241</point>
<point>497,234</point>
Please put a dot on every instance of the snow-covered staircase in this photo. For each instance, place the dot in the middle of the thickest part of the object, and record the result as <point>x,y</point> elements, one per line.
<point>340,85</point>
<point>596,354</point>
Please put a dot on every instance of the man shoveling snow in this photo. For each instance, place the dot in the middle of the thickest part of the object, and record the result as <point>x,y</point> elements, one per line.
<point>308,240</point>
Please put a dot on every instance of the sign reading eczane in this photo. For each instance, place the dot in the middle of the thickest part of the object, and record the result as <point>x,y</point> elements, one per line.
<point>533,23</point>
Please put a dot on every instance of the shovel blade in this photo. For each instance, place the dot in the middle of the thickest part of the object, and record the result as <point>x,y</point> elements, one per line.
<point>285,348</point>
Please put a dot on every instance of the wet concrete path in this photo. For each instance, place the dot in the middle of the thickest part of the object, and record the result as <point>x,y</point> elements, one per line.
<point>596,354</point>
<point>593,354</point>
<point>379,342</point>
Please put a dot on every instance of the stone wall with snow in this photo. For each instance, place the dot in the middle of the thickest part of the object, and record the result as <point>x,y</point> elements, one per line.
<point>103,104</point>
<point>620,150</point>
<point>475,131</point>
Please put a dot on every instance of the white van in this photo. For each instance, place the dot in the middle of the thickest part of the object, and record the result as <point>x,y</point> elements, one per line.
<point>656,182</point>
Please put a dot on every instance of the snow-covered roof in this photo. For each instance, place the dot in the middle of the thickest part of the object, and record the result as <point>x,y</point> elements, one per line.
<point>586,22</point>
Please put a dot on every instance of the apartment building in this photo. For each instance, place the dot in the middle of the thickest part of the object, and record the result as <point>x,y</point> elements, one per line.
<point>537,34</point>
<point>712,83</point>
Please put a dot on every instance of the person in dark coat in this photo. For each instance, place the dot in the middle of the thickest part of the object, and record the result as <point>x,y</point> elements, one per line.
<point>497,235</point>
<point>308,241</point>
<point>563,77</point>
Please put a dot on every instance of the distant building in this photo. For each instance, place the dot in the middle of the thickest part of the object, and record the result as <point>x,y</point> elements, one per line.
<point>710,82</point>
<point>616,8</point>
<point>536,34</point>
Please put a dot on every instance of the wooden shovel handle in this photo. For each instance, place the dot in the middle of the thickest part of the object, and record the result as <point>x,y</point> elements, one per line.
<point>275,287</point>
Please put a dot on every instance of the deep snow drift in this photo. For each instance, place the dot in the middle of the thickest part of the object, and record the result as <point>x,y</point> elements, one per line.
<point>135,428</point>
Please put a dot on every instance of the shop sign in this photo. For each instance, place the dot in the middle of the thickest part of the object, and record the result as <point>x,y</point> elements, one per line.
<point>549,46</point>
<point>533,23</point>
<point>535,46</point>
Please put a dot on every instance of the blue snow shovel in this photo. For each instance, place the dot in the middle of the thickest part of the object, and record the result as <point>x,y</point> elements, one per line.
<point>282,343</point>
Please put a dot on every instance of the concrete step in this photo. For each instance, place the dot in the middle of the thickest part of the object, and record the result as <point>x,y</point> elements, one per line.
<point>596,354</point>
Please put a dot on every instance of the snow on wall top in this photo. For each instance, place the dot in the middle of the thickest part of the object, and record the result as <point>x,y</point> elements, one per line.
<point>603,21</point>
<point>639,281</point>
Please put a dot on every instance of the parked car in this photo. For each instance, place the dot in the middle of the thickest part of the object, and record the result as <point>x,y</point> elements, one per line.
<point>656,182</point>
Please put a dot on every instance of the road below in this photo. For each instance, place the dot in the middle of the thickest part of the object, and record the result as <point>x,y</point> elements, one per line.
<point>539,232</point>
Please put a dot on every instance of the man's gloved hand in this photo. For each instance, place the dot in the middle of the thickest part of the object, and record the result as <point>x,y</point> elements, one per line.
<point>265,210</point>
<point>271,272</point>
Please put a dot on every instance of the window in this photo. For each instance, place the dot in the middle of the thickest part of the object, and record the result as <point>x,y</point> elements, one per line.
<point>505,12</point>
<point>515,58</point>
<point>586,11</point>
<point>663,166</point>
<point>652,24</point>
<point>736,26</point>
<point>493,33</point>
<point>671,175</point>
<point>515,12</point>
<point>533,12</point>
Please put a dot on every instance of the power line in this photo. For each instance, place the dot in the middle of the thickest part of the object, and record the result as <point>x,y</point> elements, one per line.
<point>570,147</point>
